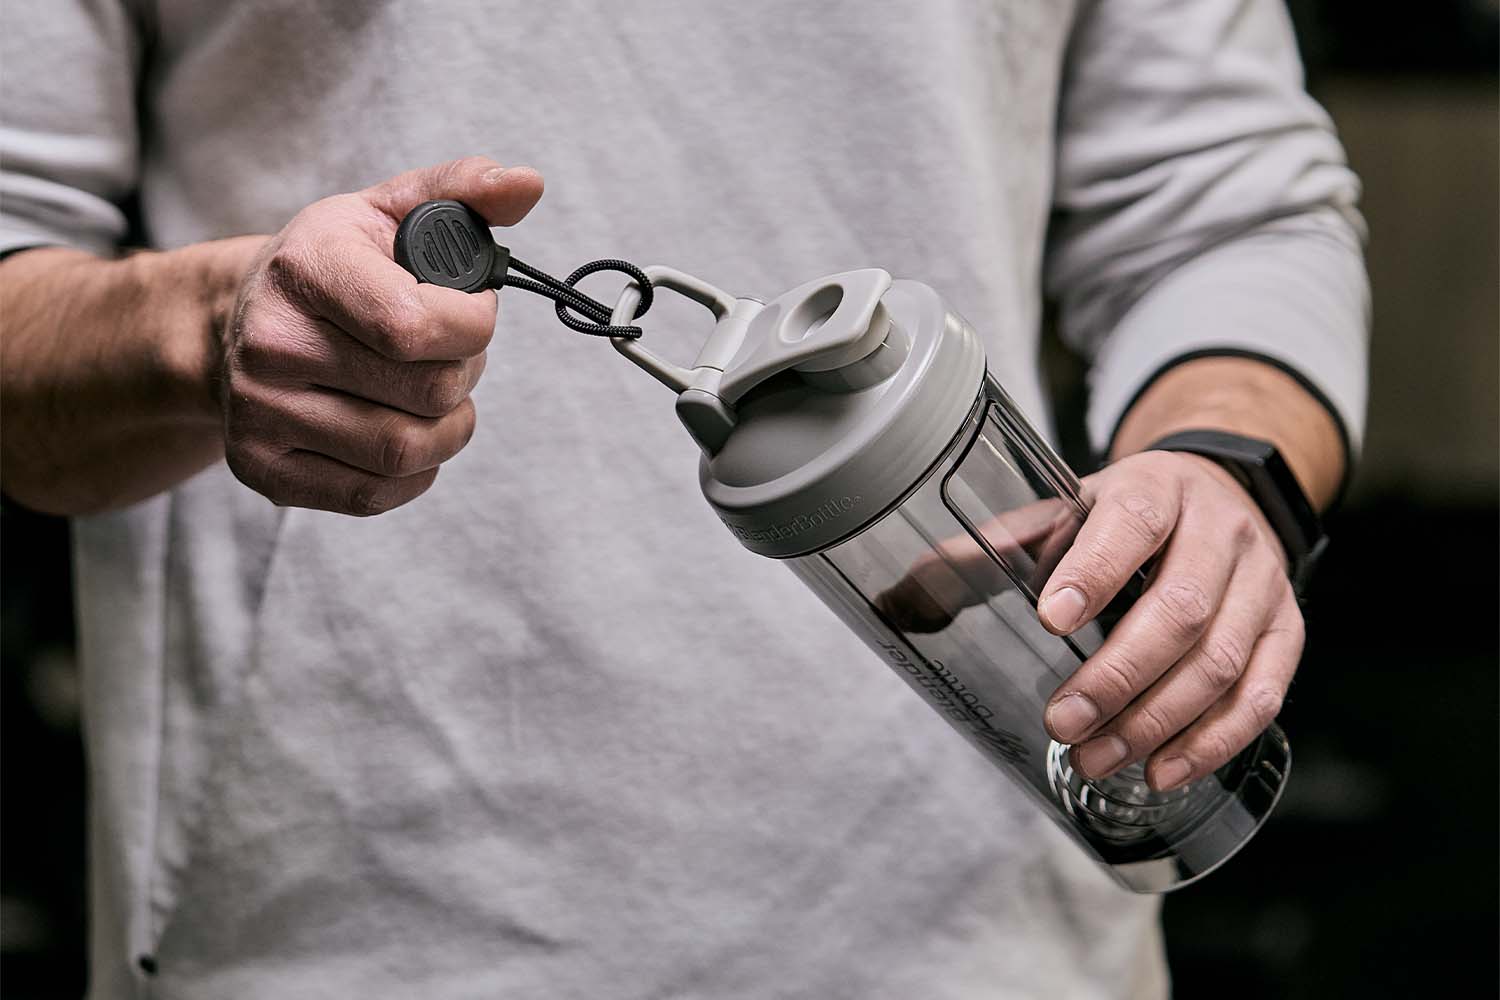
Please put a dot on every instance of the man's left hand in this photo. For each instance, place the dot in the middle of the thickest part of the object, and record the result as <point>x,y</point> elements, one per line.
<point>1200,664</point>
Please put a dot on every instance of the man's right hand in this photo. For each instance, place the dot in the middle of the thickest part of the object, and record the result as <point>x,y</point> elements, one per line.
<point>344,382</point>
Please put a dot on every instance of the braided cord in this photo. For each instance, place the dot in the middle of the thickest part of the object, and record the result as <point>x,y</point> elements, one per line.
<point>597,315</point>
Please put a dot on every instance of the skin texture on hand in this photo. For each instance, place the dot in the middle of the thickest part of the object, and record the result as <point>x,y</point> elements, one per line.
<point>345,382</point>
<point>1201,663</point>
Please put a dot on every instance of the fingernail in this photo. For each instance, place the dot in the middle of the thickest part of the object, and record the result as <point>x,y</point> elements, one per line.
<point>1102,754</point>
<point>1064,609</point>
<point>493,175</point>
<point>1071,717</point>
<point>1171,773</point>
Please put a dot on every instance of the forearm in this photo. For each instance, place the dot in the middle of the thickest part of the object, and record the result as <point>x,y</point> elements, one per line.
<point>107,371</point>
<point>1246,397</point>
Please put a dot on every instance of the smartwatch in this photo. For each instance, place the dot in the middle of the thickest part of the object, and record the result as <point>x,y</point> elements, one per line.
<point>1264,474</point>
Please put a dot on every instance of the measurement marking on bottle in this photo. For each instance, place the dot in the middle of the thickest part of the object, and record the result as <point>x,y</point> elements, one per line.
<point>950,696</point>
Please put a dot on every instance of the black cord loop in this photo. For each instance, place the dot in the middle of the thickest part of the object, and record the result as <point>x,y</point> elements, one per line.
<point>597,321</point>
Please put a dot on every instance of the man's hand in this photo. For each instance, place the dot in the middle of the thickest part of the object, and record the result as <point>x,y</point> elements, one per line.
<point>1199,665</point>
<point>345,383</point>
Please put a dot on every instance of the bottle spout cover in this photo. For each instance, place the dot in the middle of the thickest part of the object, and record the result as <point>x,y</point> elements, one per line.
<point>845,391</point>
<point>823,325</point>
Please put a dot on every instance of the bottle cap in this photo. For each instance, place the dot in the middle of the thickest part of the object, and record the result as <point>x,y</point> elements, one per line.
<point>820,410</point>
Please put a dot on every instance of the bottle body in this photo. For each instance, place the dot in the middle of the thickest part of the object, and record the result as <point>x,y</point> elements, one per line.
<point>943,587</point>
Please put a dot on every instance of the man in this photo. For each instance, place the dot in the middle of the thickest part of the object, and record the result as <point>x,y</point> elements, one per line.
<point>547,730</point>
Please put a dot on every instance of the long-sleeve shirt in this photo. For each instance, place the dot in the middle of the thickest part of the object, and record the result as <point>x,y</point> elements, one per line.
<point>549,731</point>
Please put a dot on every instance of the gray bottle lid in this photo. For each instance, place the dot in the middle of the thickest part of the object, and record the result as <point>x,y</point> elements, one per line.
<point>819,410</point>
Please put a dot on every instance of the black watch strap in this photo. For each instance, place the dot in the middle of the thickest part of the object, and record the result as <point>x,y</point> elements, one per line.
<point>1260,468</point>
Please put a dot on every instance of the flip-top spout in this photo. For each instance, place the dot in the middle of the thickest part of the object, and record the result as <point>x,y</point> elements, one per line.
<point>824,326</point>
<point>833,331</point>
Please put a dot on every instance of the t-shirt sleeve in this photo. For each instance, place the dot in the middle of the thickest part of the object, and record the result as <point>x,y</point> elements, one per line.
<point>69,149</point>
<point>1202,205</point>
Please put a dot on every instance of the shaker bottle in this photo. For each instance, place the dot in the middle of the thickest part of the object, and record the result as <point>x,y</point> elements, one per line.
<point>849,428</point>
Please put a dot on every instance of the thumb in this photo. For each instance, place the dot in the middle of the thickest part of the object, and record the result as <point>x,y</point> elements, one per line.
<point>503,195</point>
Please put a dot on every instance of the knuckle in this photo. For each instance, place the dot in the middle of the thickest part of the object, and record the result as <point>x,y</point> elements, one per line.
<point>251,349</point>
<point>1281,586</point>
<point>1295,625</point>
<point>1144,511</point>
<point>398,325</point>
<point>1115,679</point>
<point>1264,705</point>
<point>400,446</point>
<point>292,264</point>
<point>370,496</point>
<point>266,474</point>
<point>1243,532</point>
<point>249,417</point>
<point>458,168</point>
<point>446,387</point>
<point>470,422</point>
<point>242,462</point>
<point>1219,662</point>
<point>1097,570</point>
<point>1290,627</point>
<point>1186,605</point>
<point>1149,727</point>
<point>281,486</point>
<point>261,412</point>
<point>238,439</point>
<point>1215,749</point>
<point>263,348</point>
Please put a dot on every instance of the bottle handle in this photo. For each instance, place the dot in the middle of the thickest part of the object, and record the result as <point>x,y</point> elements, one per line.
<point>719,302</point>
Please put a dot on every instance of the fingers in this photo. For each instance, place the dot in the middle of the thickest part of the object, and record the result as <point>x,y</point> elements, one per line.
<point>366,435</point>
<point>360,290</point>
<point>307,479</point>
<point>284,349</point>
<point>1197,680</point>
<point>425,388</point>
<point>502,195</point>
<point>1198,667</point>
<point>1232,722</point>
<point>373,446</point>
<point>1185,595</point>
<point>329,451</point>
<point>1132,517</point>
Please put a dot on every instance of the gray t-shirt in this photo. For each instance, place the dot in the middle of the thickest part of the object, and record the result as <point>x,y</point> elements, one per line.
<point>549,731</point>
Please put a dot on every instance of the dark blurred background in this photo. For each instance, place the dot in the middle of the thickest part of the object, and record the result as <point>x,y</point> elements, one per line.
<point>1377,874</point>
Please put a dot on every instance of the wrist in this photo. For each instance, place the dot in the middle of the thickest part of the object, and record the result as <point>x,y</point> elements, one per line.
<point>1247,397</point>
<point>187,297</point>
